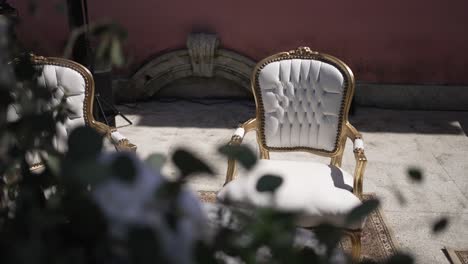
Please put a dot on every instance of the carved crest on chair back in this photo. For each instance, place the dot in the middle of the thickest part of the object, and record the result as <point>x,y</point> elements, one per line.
<point>302,98</point>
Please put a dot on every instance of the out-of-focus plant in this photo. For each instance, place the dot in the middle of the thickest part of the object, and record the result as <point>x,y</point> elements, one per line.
<point>105,40</point>
<point>90,207</point>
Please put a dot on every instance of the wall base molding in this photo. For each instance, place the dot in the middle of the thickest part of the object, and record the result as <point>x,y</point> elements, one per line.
<point>392,96</point>
<point>412,97</point>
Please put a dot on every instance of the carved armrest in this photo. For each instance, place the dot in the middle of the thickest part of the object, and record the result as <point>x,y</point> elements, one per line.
<point>236,139</point>
<point>120,142</point>
<point>243,129</point>
<point>361,160</point>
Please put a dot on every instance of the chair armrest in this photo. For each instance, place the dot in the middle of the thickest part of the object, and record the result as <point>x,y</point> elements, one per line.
<point>120,142</point>
<point>361,160</point>
<point>243,129</point>
<point>236,140</point>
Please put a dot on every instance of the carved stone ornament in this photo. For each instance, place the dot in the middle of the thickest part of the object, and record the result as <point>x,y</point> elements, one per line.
<point>201,58</point>
<point>202,48</point>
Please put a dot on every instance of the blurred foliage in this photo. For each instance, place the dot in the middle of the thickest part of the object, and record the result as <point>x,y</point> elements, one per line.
<point>188,164</point>
<point>269,183</point>
<point>242,154</point>
<point>440,225</point>
<point>415,174</point>
<point>53,215</point>
<point>106,41</point>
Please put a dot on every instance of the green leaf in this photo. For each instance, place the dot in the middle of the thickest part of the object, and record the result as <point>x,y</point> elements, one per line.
<point>269,183</point>
<point>104,44</point>
<point>188,164</point>
<point>400,258</point>
<point>156,161</point>
<point>415,174</point>
<point>328,235</point>
<point>116,53</point>
<point>168,191</point>
<point>84,143</point>
<point>53,163</point>
<point>243,154</point>
<point>360,212</point>
<point>440,225</point>
<point>87,223</point>
<point>61,7</point>
<point>124,168</point>
<point>25,70</point>
<point>80,174</point>
<point>144,245</point>
<point>308,255</point>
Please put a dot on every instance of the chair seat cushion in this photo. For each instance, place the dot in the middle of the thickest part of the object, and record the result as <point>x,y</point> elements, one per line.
<point>321,193</point>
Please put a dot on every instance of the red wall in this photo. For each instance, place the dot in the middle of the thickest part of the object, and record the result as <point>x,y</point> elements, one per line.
<point>399,41</point>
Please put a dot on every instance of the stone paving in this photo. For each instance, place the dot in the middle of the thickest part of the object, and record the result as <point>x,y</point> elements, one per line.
<point>436,142</point>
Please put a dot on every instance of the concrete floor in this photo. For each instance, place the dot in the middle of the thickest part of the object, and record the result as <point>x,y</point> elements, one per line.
<point>436,142</point>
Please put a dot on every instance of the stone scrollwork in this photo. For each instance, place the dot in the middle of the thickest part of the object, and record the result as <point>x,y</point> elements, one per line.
<point>201,58</point>
<point>202,49</point>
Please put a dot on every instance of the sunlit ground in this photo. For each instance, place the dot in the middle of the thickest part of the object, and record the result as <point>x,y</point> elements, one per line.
<point>435,142</point>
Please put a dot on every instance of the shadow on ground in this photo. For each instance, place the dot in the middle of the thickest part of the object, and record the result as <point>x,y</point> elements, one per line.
<point>194,113</point>
<point>407,121</point>
<point>229,113</point>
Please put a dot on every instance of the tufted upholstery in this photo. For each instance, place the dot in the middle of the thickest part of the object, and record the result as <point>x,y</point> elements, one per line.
<point>302,100</point>
<point>72,84</point>
<point>68,85</point>
<point>302,103</point>
<point>321,193</point>
<point>65,84</point>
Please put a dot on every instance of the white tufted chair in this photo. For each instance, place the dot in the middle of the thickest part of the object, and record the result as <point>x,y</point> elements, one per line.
<point>73,82</point>
<point>303,98</point>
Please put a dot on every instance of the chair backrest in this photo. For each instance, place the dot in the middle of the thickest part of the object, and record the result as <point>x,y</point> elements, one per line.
<point>68,81</point>
<point>303,98</point>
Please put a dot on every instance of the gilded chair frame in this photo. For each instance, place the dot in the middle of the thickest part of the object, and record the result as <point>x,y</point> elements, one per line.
<point>102,128</point>
<point>121,145</point>
<point>345,130</point>
<point>304,53</point>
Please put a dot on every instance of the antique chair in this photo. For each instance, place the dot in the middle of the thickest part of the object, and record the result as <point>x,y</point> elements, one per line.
<point>73,82</point>
<point>303,98</point>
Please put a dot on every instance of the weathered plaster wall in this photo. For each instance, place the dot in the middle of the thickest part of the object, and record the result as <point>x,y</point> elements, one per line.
<point>45,30</point>
<point>399,41</point>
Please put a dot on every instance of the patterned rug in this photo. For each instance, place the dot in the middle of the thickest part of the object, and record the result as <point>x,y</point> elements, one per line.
<point>457,256</point>
<point>377,240</point>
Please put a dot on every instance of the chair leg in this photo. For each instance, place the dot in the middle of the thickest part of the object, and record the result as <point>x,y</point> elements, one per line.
<point>231,171</point>
<point>355,246</point>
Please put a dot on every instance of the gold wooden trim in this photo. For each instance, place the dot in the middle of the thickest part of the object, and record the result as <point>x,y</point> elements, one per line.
<point>355,236</point>
<point>125,145</point>
<point>36,166</point>
<point>345,129</point>
<point>248,126</point>
<point>305,53</point>
<point>89,97</point>
<point>89,87</point>
<point>361,160</point>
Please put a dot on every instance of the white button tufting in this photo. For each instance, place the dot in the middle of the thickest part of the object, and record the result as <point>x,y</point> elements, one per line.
<point>306,87</point>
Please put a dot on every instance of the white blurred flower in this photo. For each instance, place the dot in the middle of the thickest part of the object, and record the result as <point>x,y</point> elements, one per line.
<point>134,204</point>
